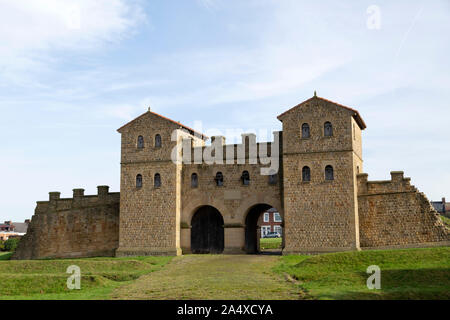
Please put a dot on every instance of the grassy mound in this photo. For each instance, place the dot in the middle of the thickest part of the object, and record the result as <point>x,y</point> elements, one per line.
<point>47,279</point>
<point>405,274</point>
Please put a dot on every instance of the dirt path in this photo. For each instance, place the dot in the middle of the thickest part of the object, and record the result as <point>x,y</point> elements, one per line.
<point>217,277</point>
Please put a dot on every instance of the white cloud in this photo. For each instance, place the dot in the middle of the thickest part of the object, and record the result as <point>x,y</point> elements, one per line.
<point>29,30</point>
<point>41,24</point>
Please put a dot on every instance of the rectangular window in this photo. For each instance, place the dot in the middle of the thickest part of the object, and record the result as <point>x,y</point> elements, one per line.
<point>264,231</point>
<point>266,217</point>
<point>277,217</point>
<point>278,229</point>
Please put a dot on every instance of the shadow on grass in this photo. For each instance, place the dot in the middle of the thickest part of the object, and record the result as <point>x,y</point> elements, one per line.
<point>5,256</point>
<point>420,284</point>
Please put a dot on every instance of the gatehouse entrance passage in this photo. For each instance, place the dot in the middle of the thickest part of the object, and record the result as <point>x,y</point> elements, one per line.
<point>263,230</point>
<point>207,232</point>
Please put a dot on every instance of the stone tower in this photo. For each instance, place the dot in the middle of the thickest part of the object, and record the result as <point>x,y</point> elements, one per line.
<point>321,159</point>
<point>150,186</point>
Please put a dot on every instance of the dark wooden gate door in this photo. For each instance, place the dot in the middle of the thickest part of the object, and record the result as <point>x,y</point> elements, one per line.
<point>207,233</point>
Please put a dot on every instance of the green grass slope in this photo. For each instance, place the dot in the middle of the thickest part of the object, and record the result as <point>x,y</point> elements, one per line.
<point>47,279</point>
<point>405,274</point>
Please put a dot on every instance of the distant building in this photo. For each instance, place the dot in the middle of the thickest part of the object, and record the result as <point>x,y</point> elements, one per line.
<point>442,207</point>
<point>10,229</point>
<point>271,221</point>
<point>439,206</point>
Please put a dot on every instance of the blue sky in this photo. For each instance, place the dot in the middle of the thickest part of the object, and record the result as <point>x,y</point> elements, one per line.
<point>72,72</point>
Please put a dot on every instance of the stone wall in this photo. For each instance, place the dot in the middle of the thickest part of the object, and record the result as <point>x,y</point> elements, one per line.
<point>82,226</point>
<point>394,213</point>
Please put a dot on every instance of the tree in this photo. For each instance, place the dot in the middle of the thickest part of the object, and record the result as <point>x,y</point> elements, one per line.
<point>11,244</point>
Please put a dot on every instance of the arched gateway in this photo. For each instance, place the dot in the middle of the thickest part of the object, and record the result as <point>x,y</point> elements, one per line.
<point>252,227</point>
<point>207,233</point>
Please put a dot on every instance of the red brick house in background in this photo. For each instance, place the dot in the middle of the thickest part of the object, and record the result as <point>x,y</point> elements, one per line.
<point>10,229</point>
<point>270,221</point>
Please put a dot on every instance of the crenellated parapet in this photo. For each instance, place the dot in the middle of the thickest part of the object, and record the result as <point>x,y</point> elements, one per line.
<point>81,226</point>
<point>79,200</point>
<point>398,183</point>
<point>248,151</point>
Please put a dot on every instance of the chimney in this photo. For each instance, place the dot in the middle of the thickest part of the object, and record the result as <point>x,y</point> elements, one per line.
<point>443,200</point>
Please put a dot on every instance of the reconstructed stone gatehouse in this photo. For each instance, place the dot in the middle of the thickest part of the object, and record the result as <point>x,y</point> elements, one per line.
<point>175,200</point>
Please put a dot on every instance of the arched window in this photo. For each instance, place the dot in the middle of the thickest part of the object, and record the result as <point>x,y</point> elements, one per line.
<point>328,129</point>
<point>329,173</point>
<point>273,177</point>
<point>139,181</point>
<point>306,174</point>
<point>219,179</point>
<point>305,130</point>
<point>157,182</point>
<point>140,142</point>
<point>245,178</point>
<point>194,180</point>
<point>158,141</point>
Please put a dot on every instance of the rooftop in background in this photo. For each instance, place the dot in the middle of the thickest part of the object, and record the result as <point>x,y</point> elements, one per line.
<point>18,227</point>
<point>441,206</point>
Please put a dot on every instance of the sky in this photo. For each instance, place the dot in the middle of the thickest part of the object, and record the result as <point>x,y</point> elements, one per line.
<point>73,72</point>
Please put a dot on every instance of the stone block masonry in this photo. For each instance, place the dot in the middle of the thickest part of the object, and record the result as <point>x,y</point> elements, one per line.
<point>82,226</point>
<point>393,214</point>
<point>168,207</point>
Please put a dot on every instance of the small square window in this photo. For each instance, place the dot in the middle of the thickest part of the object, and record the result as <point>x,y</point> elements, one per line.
<point>266,217</point>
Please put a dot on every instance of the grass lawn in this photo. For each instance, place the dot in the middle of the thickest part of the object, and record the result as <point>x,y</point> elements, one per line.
<point>5,255</point>
<point>405,274</point>
<point>46,279</point>
<point>270,243</point>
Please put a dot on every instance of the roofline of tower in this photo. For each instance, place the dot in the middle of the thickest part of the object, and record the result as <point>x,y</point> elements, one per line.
<point>356,114</point>
<point>192,131</point>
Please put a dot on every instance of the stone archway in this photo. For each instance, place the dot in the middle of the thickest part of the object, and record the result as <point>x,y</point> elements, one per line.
<point>207,232</point>
<point>251,227</point>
